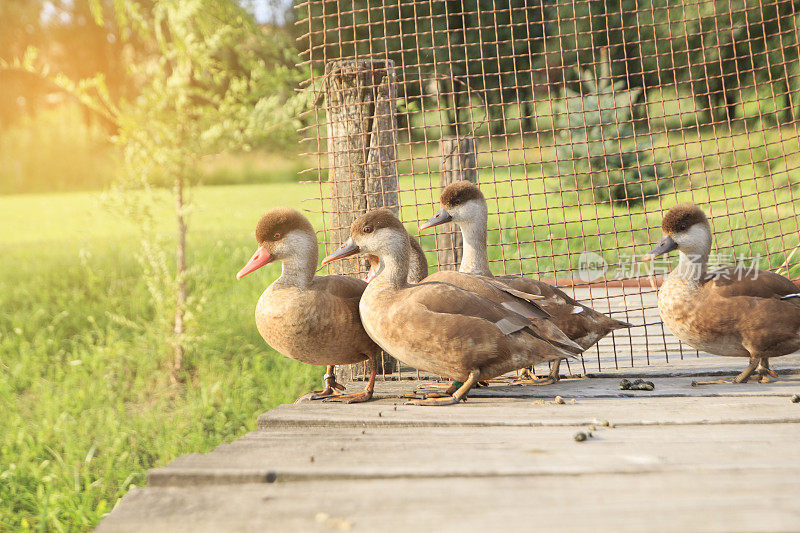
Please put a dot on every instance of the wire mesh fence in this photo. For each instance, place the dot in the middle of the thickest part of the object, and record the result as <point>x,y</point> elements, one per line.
<point>582,122</point>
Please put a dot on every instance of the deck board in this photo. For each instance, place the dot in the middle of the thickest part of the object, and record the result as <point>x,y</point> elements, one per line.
<point>713,458</point>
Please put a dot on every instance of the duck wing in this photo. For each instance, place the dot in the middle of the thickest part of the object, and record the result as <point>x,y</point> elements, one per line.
<point>447,299</point>
<point>521,303</point>
<point>335,304</point>
<point>730,282</point>
<point>579,322</point>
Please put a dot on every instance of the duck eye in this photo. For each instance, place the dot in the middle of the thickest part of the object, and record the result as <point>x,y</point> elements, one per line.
<point>368,229</point>
<point>276,236</point>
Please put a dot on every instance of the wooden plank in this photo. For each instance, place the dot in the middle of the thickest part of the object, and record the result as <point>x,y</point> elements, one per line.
<point>303,454</point>
<point>760,499</point>
<point>485,412</point>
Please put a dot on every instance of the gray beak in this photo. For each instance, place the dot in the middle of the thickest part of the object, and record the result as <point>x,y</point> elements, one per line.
<point>440,217</point>
<point>347,249</point>
<point>666,244</point>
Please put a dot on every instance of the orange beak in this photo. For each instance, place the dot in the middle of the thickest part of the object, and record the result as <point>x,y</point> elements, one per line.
<point>259,259</point>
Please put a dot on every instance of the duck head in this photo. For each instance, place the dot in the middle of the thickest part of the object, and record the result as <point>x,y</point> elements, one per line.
<point>376,233</point>
<point>462,202</point>
<point>687,230</point>
<point>282,234</point>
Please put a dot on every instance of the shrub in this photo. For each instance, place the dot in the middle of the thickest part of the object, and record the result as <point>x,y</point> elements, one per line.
<point>598,148</point>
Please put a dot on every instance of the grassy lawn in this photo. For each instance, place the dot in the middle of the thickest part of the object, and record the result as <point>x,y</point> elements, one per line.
<point>87,404</point>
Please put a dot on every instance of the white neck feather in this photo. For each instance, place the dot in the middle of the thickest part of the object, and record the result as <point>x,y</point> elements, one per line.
<point>298,254</point>
<point>473,234</point>
<point>393,251</point>
<point>694,245</point>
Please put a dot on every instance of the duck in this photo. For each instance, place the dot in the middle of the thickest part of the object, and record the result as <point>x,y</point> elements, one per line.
<point>463,203</point>
<point>436,327</point>
<point>731,311</point>
<point>308,318</point>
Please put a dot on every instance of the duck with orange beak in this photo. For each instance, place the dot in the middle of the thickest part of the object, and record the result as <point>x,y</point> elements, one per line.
<point>308,318</point>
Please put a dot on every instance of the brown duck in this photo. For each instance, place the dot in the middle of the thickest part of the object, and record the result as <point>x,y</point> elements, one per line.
<point>731,311</point>
<point>311,319</point>
<point>436,327</point>
<point>463,203</point>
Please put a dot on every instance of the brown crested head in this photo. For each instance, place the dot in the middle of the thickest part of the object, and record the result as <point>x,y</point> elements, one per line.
<point>375,220</point>
<point>460,192</point>
<point>271,230</point>
<point>682,217</point>
<point>278,222</point>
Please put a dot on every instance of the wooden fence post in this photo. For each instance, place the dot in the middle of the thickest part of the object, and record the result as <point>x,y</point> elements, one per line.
<point>458,162</point>
<point>361,105</point>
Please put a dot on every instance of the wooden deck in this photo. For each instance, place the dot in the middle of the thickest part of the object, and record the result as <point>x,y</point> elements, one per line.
<point>679,458</point>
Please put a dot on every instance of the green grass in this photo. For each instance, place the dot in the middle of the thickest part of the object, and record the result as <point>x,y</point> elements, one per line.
<point>743,180</point>
<point>87,405</point>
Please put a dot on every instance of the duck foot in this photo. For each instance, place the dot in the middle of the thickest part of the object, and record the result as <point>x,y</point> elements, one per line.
<point>525,375</point>
<point>436,385</point>
<point>331,388</point>
<point>444,400</point>
<point>457,396</point>
<point>552,377</point>
<point>741,378</point>
<point>359,397</point>
<point>713,382</point>
<point>764,371</point>
<point>424,395</point>
<point>327,392</point>
<point>452,385</point>
<point>549,380</point>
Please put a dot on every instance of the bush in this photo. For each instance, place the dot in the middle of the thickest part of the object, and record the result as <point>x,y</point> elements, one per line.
<point>598,148</point>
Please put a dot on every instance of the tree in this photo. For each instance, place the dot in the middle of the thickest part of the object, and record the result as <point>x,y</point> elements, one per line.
<point>214,81</point>
<point>208,79</point>
<point>598,150</point>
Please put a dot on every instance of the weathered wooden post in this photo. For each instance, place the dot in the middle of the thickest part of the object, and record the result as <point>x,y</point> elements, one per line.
<point>361,105</point>
<point>458,162</point>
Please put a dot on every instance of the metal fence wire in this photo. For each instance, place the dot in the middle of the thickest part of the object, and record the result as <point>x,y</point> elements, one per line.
<point>582,121</point>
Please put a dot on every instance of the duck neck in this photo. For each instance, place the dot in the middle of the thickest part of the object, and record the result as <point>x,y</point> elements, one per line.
<point>297,269</point>
<point>417,267</point>
<point>392,271</point>
<point>475,258</point>
<point>692,267</point>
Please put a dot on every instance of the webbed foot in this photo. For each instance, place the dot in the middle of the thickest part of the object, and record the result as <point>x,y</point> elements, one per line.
<point>445,400</point>
<point>332,388</point>
<point>358,397</point>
